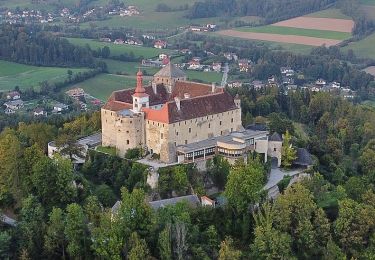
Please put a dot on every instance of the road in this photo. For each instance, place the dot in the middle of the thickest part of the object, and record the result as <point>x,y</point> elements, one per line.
<point>225,75</point>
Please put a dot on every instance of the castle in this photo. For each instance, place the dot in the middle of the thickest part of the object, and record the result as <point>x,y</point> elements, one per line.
<point>182,121</point>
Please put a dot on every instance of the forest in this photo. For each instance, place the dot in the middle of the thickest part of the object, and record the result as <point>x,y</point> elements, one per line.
<point>270,10</point>
<point>327,216</point>
<point>28,45</point>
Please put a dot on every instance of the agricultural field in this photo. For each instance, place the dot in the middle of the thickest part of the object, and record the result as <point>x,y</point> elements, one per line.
<point>363,48</point>
<point>272,29</point>
<point>25,76</point>
<point>151,20</point>
<point>328,27</point>
<point>370,70</point>
<point>138,51</point>
<point>103,85</point>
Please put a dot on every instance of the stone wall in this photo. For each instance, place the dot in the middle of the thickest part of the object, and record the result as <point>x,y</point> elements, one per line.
<point>163,138</point>
<point>122,132</point>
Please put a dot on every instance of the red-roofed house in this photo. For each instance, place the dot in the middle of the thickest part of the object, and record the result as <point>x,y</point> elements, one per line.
<point>160,44</point>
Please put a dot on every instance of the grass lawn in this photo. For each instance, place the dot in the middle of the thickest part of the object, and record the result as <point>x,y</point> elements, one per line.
<point>127,68</point>
<point>25,76</point>
<point>103,85</point>
<point>207,77</point>
<point>297,31</point>
<point>330,13</point>
<point>107,150</point>
<point>292,47</point>
<point>116,50</point>
<point>363,48</point>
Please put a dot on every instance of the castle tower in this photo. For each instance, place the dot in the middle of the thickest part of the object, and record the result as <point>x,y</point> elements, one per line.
<point>168,76</point>
<point>140,98</point>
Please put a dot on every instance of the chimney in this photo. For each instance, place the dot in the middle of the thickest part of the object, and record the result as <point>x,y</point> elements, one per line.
<point>178,103</point>
<point>186,95</point>
<point>153,84</point>
<point>213,87</point>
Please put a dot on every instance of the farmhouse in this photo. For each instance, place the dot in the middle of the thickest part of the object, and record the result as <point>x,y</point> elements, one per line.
<point>181,121</point>
<point>14,104</point>
<point>159,44</point>
<point>40,112</point>
<point>13,95</point>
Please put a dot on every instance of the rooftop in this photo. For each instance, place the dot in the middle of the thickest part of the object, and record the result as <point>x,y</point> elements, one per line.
<point>228,139</point>
<point>170,71</point>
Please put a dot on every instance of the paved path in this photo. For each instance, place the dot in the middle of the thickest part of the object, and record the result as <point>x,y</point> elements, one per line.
<point>7,220</point>
<point>277,175</point>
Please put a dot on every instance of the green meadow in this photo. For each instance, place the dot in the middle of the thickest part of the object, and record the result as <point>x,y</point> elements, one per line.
<point>103,85</point>
<point>297,31</point>
<point>330,13</point>
<point>127,68</point>
<point>138,51</point>
<point>25,76</point>
<point>364,48</point>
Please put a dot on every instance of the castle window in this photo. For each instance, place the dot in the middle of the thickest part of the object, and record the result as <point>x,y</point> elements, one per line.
<point>221,132</point>
<point>191,121</point>
<point>163,125</point>
<point>177,133</point>
<point>131,122</point>
<point>185,122</point>
<point>209,125</point>
<point>274,149</point>
<point>220,122</point>
<point>231,129</point>
<point>185,141</point>
<point>175,144</point>
<point>127,132</point>
<point>127,142</point>
<point>231,120</point>
<point>121,121</point>
<point>189,130</point>
<point>158,124</point>
<point>161,136</point>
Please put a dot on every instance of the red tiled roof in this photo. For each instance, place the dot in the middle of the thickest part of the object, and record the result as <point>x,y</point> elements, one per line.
<point>125,96</point>
<point>202,102</point>
<point>192,108</point>
<point>116,106</point>
<point>193,88</point>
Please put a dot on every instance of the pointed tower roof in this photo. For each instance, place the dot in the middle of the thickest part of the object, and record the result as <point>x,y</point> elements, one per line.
<point>140,90</point>
<point>170,71</point>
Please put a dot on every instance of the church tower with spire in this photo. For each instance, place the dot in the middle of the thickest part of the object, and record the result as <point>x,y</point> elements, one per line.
<point>140,98</point>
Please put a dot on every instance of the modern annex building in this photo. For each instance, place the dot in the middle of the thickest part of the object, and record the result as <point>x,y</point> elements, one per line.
<point>181,121</point>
